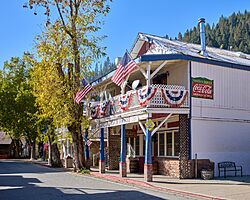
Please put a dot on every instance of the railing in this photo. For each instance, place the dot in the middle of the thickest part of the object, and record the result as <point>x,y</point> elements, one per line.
<point>174,97</point>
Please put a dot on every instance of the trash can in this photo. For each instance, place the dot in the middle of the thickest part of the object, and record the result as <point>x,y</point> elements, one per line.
<point>68,162</point>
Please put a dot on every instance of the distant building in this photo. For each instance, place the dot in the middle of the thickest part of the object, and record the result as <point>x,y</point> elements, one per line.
<point>5,143</point>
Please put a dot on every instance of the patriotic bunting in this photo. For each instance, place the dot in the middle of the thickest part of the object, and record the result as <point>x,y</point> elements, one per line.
<point>103,107</point>
<point>124,101</point>
<point>94,111</point>
<point>174,98</point>
<point>144,95</point>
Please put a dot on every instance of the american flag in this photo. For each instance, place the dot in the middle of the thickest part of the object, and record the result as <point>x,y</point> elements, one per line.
<point>82,92</point>
<point>88,142</point>
<point>125,67</point>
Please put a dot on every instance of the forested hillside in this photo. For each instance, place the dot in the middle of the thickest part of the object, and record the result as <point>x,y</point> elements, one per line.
<point>232,33</point>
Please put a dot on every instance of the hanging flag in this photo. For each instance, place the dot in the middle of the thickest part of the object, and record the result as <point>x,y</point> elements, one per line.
<point>125,67</point>
<point>86,87</point>
<point>88,142</point>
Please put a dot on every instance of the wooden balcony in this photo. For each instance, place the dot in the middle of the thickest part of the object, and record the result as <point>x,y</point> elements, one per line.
<point>158,97</point>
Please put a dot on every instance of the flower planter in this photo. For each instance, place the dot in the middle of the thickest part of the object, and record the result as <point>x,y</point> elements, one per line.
<point>207,174</point>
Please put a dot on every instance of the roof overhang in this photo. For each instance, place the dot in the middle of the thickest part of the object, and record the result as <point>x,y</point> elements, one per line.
<point>159,57</point>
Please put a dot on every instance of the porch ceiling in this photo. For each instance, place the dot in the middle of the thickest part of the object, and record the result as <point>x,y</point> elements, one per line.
<point>136,74</point>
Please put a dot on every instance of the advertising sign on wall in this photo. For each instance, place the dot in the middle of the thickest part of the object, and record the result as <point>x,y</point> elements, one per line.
<point>202,88</point>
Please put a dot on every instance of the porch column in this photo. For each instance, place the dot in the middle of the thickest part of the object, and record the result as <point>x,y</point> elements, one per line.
<point>122,168</point>
<point>185,147</point>
<point>102,158</point>
<point>86,135</point>
<point>148,167</point>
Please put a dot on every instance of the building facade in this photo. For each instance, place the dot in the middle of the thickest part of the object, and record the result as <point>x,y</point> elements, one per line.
<point>189,111</point>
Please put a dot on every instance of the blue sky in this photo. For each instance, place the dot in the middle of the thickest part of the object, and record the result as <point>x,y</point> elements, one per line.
<point>127,17</point>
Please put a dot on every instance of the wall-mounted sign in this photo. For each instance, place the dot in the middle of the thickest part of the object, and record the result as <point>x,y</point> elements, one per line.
<point>202,88</point>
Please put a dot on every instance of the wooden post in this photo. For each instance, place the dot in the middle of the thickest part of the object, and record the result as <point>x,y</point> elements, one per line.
<point>102,158</point>
<point>122,168</point>
<point>148,167</point>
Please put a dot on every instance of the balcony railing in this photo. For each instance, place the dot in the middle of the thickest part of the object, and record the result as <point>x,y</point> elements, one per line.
<point>157,96</point>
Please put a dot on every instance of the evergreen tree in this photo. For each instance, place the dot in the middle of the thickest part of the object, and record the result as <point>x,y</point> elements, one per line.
<point>231,33</point>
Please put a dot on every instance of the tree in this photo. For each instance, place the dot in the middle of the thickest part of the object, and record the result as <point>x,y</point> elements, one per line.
<point>17,104</point>
<point>76,26</point>
<point>232,33</point>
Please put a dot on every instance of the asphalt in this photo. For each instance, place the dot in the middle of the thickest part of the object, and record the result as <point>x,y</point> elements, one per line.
<point>218,188</point>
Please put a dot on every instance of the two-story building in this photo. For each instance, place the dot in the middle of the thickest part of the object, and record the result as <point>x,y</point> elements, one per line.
<point>183,101</point>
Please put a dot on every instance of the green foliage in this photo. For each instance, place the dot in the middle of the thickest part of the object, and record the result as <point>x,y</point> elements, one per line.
<point>84,170</point>
<point>232,33</point>
<point>17,104</point>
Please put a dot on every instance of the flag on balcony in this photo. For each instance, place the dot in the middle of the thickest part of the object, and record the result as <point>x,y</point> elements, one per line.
<point>86,88</point>
<point>125,67</point>
<point>145,94</point>
<point>175,98</point>
<point>124,101</point>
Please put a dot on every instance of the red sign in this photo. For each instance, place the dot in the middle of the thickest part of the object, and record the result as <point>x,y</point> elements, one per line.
<point>202,88</point>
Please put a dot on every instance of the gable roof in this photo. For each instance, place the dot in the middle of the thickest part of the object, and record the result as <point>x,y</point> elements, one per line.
<point>159,46</point>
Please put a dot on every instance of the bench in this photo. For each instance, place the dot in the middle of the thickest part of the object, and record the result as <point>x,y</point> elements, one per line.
<point>229,166</point>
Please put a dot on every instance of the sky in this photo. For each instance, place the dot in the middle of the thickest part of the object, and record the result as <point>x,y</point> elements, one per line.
<point>19,26</point>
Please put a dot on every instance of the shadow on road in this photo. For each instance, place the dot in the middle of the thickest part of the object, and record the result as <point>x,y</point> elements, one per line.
<point>17,187</point>
<point>20,167</point>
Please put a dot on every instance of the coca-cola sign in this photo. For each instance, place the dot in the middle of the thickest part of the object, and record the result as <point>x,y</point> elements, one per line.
<point>202,88</point>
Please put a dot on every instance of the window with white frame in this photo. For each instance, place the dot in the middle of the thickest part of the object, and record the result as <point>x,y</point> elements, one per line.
<point>168,143</point>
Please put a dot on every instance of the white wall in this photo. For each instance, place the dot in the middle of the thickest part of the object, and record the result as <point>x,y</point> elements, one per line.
<point>221,127</point>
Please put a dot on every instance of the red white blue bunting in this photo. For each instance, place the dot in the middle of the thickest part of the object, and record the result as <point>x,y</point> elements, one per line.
<point>124,101</point>
<point>103,107</point>
<point>144,95</point>
<point>94,111</point>
<point>175,98</point>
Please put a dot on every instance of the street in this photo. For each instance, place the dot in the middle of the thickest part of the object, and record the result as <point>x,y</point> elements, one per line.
<point>23,180</point>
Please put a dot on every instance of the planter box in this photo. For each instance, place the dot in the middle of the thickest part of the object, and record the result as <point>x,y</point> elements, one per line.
<point>207,174</point>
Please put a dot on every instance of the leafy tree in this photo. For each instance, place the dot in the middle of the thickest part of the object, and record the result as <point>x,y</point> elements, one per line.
<point>17,104</point>
<point>67,56</point>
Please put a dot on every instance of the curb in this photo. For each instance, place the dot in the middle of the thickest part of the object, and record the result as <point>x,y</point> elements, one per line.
<point>144,185</point>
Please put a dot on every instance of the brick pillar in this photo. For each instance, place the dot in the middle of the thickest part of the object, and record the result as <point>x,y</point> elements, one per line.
<point>102,158</point>
<point>123,168</point>
<point>185,164</point>
<point>148,167</point>
<point>114,149</point>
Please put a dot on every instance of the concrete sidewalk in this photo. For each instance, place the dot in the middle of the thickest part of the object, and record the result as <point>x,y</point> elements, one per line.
<point>229,188</point>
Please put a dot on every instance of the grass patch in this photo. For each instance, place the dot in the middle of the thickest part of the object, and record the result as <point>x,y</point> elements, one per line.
<point>84,171</point>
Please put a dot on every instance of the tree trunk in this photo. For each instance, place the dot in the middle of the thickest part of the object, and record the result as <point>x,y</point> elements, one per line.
<point>77,140</point>
<point>54,154</point>
<point>33,151</point>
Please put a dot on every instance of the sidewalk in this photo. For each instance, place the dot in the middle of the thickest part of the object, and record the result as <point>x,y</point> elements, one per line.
<point>229,188</point>
<point>237,188</point>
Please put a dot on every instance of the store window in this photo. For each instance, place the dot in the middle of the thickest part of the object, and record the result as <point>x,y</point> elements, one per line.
<point>161,144</point>
<point>169,143</point>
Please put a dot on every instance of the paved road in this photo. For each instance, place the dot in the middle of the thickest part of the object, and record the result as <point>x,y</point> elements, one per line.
<point>21,180</point>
